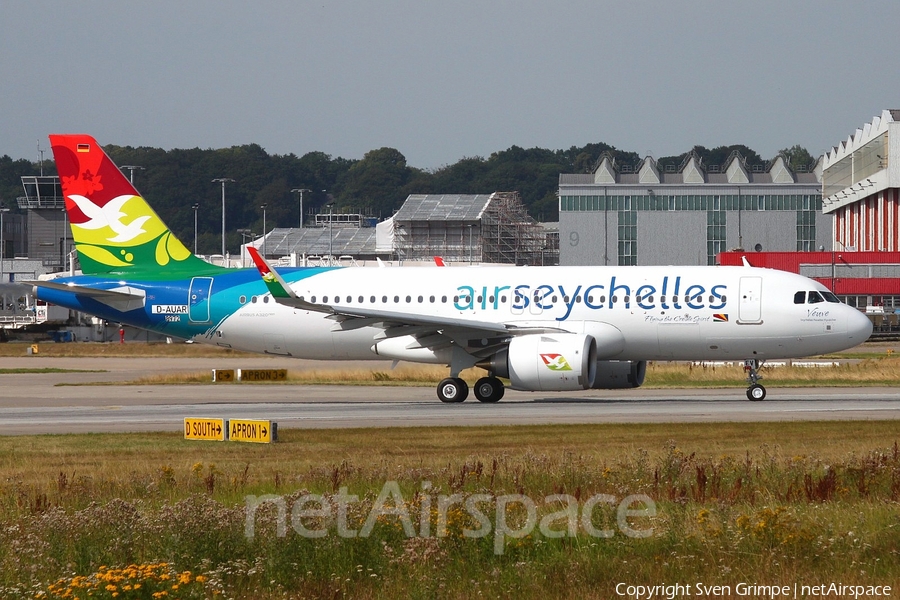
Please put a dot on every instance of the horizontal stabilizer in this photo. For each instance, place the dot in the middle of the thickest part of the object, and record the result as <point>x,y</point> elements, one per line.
<point>123,298</point>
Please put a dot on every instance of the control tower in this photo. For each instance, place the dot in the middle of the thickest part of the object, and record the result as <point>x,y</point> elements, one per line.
<point>49,238</point>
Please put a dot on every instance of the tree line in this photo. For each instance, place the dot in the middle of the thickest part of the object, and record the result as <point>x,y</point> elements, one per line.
<point>376,185</point>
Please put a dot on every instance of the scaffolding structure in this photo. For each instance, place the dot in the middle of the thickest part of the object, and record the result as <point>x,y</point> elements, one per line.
<point>510,236</point>
<point>479,228</point>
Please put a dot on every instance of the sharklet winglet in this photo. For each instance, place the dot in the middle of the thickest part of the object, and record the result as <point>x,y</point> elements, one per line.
<point>273,280</point>
<point>278,287</point>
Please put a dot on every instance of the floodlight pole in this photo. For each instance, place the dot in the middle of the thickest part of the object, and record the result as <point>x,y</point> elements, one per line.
<point>2,249</point>
<point>263,207</point>
<point>195,207</point>
<point>223,181</point>
<point>300,191</point>
<point>331,234</point>
<point>131,170</point>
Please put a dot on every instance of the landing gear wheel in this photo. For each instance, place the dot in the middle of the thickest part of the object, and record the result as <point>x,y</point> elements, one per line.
<point>489,389</point>
<point>756,392</point>
<point>452,389</point>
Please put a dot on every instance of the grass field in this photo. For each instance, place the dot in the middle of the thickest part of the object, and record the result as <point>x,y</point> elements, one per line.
<point>776,503</point>
<point>155,516</point>
<point>863,366</point>
<point>661,375</point>
<point>131,349</point>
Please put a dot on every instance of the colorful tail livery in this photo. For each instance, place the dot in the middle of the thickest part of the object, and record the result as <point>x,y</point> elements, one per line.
<point>114,229</point>
<point>541,328</point>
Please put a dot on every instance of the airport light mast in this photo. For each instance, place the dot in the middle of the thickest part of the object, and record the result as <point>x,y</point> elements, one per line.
<point>223,181</point>
<point>300,191</point>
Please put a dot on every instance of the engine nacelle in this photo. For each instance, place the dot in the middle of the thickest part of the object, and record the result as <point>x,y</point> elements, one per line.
<point>547,362</point>
<point>619,374</point>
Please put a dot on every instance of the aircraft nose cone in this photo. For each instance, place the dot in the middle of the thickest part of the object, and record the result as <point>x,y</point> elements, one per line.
<point>859,327</point>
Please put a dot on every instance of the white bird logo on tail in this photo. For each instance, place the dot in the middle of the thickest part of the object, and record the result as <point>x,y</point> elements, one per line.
<point>110,215</point>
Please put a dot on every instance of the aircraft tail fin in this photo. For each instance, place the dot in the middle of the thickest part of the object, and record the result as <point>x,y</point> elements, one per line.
<point>114,229</point>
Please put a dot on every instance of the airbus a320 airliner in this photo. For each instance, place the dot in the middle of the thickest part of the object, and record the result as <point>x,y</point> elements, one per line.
<point>541,328</point>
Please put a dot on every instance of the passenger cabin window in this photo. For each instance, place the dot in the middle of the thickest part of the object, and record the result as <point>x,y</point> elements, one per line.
<point>799,297</point>
<point>815,297</point>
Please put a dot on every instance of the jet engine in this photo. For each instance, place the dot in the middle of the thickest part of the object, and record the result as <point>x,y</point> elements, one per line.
<point>619,374</point>
<point>547,362</point>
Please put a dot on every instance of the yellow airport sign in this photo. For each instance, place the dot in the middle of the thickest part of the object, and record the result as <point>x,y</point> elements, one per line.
<point>252,430</point>
<point>262,374</point>
<point>205,429</point>
<point>223,375</point>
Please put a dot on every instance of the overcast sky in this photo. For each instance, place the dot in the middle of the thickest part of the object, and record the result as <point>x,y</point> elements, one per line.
<point>443,80</point>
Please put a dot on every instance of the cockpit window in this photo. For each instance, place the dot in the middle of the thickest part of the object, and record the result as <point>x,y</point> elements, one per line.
<point>815,297</point>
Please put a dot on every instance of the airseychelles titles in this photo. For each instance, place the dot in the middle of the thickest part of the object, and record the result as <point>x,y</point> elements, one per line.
<point>669,293</point>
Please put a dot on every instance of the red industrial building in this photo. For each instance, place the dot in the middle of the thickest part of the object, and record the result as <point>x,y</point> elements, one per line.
<point>869,281</point>
<point>861,191</point>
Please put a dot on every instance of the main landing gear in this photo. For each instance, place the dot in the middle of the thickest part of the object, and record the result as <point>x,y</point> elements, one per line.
<point>454,389</point>
<point>489,389</point>
<point>755,390</point>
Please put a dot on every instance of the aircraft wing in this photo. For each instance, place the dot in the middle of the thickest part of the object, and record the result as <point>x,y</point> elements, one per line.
<point>124,298</point>
<point>432,331</point>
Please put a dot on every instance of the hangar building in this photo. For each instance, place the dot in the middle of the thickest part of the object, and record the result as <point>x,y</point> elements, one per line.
<point>686,215</point>
<point>861,187</point>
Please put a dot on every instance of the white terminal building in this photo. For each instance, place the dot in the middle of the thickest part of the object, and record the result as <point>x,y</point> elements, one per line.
<point>861,187</point>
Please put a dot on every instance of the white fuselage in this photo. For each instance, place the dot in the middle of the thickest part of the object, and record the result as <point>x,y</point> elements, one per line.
<point>635,313</point>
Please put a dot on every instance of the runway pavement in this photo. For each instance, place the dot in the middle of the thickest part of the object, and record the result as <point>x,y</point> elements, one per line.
<point>36,403</point>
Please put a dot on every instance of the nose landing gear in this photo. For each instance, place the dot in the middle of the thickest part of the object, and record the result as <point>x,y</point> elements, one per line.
<point>755,390</point>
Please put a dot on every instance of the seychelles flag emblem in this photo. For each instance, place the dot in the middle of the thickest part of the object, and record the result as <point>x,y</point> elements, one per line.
<point>720,318</point>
